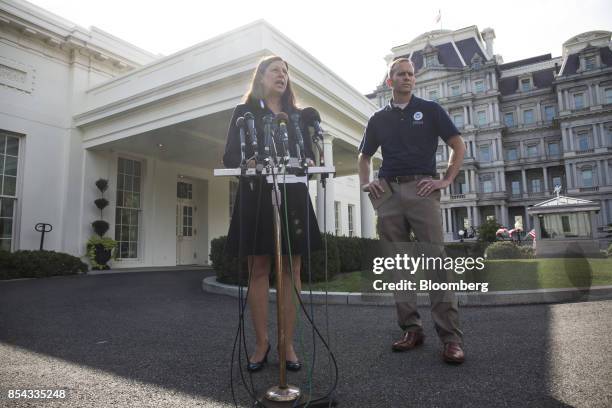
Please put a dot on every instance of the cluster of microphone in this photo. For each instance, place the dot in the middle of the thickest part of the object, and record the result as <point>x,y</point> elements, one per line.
<point>276,135</point>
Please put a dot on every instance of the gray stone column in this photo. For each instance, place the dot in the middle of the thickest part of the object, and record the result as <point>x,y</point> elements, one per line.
<point>525,187</point>
<point>568,177</point>
<point>444,224</point>
<point>504,214</point>
<point>560,101</point>
<point>545,174</point>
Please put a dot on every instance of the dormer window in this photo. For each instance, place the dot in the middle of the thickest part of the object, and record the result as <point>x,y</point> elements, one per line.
<point>525,84</point>
<point>590,63</point>
<point>476,61</point>
<point>430,56</point>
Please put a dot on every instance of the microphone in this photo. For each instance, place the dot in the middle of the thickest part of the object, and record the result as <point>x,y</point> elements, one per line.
<point>311,118</point>
<point>240,125</point>
<point>267,121</point>
<point>281,121</point>
<point>250,122</point>
<point>295,120</point>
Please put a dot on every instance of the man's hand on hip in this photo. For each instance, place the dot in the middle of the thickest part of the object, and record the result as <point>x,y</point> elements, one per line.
<point>374,188</point>
<point>426,186</point>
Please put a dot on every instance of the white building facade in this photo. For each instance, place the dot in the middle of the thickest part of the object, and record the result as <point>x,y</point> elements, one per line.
<point>77,105</point>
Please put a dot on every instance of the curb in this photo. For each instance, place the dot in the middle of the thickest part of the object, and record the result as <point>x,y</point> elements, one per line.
<point>499,298</point>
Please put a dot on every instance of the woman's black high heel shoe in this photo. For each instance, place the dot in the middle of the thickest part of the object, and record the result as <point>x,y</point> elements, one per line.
<point>293,365</point>
<point>253,367</point>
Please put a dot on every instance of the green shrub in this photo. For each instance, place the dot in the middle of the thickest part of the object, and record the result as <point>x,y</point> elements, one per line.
<point>503,250</point>
<point>487,230</point>
<point>38,264</point>
<point>465,249</point>
<point>527,252</point>
<point>227,267</point>
<point>349,250</point>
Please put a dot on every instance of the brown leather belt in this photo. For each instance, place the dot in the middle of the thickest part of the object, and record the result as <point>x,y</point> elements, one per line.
<point>407,179</point>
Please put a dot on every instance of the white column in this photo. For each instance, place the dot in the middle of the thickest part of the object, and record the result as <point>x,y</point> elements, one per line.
<point>496,110</point>
<point>570,137</point>
<point>596,140</point>
<point>568,176</point>
<point>598,100</point>
<point>473,179</point>
<point>504,214</point>
<point>590,93</point>
<point>368,229</point>
<point>566,97</point>
<point>466,177</point>
<point>493,77</point>
<point>564,141</point>
<point>328,151</point>
<point>524,174</point>
<point>444,225</point>
<point>469,215</point>
<point>604,141</point>
<point>538,112</point>
<point>476,217</point>
<point>491,117</point>
<point>560,101</point>
<point>575,171</point>
<point>503,180</point>
<point>465,116</point>
<point>545,174</point>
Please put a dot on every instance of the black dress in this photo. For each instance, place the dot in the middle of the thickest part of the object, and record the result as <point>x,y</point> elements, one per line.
<point>251,227</point>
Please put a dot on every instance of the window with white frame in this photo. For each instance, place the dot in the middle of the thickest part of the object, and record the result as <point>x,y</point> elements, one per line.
<point>458,119</point>
<point>9,154</point>
<point>549,113</point>
<point>485,153</point>
<point>509,119</point>
<point>587,176</point>
<point>433,94</point>
<point>536,186</point>
<point>455,90</point>
<point>351,223</point>
<point>532,150</point>
<point>430,60</point>
<point>578,100</point>
<point>554,149</point>
<point>481,117</point>
<point>127,212</point>
<point>479,86</point>
<point>512,153</point>
<point>590,63</point>
<point>608,95</point>
<point>525,84</point>
<point>516,187</point>
<point>338,214</point>
<point>486,183</point>
<point>528,117</point>
<point>583,141</point>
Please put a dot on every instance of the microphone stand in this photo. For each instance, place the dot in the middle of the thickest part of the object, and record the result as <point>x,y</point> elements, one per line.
<point>283,392</point>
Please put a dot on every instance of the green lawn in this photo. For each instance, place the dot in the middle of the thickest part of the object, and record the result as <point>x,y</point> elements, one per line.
<point>512,274</point>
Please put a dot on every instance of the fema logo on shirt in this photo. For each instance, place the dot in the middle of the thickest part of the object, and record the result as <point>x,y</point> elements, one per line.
<point>418,116</point>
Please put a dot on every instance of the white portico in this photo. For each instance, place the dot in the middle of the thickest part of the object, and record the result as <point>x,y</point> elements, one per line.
<point>156,133</point>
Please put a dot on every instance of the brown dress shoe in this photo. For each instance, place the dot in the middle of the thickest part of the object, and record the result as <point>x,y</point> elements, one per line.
<point>409,340</point>
<point>453,353</point>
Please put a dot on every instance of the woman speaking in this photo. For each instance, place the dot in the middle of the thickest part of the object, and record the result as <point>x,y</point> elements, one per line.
<point>251,228</point>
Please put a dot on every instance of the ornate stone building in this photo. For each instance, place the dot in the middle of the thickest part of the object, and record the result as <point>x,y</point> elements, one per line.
<point>528,125</point>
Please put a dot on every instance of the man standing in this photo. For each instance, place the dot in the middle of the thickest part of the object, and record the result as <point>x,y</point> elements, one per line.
<point>407,131</point>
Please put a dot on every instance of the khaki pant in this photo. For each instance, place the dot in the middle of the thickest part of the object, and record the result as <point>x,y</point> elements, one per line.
<point>403,212</point>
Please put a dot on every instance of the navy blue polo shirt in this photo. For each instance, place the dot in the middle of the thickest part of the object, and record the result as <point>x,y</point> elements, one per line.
<point>408,137</point>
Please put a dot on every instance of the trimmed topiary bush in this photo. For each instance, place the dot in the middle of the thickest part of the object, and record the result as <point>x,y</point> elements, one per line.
<point>527,252</point>
<point>503,250</point>
<point>38,264</point>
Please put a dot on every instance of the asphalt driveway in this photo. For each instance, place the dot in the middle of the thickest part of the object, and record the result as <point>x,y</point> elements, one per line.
<point>154,339</point>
